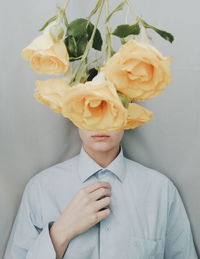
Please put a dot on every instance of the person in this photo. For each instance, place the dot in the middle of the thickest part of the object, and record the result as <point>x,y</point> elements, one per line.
<point>100,204</point>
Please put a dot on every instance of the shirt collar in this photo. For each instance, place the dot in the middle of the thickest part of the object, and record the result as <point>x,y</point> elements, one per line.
<point>87,166</point>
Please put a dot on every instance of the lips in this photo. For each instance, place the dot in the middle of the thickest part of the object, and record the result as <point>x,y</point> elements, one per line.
<point>101,136</point>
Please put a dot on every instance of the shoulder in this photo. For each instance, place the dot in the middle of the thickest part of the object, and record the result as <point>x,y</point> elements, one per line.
<point>65,169</point>
<point>154,184</point>
<point>144,171</point>
<point>145,176</point>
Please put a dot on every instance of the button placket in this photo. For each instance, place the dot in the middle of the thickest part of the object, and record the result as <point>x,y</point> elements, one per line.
<point>107,228</point>
<point>102,175</point>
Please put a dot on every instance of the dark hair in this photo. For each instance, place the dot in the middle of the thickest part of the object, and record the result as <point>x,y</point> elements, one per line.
<point>92,73</point>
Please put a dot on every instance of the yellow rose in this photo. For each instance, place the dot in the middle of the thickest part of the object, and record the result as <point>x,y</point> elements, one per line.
<point>138,70</point>
<point>46,56</point>
<point>137,116</point>
<point>95,106</point>
<point>51,92</point>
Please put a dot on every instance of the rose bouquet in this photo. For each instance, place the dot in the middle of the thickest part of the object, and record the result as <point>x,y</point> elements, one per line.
<point>94,95</point>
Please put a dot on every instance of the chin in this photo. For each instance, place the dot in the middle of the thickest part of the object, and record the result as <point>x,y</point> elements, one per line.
<point>102,147</point>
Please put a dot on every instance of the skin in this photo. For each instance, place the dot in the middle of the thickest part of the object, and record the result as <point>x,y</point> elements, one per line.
<point>84,210</point>
<point>102,150</point>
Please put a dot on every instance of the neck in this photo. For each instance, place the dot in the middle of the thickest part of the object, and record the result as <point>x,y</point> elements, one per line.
<point>103,158</point>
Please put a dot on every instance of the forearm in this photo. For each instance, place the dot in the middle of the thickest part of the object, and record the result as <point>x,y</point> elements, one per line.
<point>59,239</point>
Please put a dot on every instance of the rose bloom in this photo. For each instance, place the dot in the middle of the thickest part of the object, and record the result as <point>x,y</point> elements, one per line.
<point>46,56</point>
<point>51,92</point>
<point>138,70</point>
<point>95,106</point>
<point>137,116</point>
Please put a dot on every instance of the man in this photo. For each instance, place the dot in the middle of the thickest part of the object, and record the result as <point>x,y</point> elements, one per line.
<point>100,204</point>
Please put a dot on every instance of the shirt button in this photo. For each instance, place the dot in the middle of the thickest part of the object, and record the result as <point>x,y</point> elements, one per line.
<point>107,229</point>
<point>136,243</point>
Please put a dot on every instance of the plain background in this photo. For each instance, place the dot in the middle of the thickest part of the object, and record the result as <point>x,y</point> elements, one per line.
<point>33,137</point>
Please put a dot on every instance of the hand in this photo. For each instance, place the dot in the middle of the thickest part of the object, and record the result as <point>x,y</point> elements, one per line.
<point>85,210</point>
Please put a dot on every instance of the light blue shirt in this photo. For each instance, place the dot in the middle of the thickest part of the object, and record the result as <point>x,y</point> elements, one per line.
<point>147,220</point>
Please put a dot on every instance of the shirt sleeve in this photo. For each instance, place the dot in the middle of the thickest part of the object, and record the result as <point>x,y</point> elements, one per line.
<point>179,240</point>
<point>28,239</point>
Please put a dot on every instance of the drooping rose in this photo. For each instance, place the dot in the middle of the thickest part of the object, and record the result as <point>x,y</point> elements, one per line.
<point>137,116</point>
<point>95,106</point>
<point>51,92</point>
<point>138,70</point>
<point>46,56</point>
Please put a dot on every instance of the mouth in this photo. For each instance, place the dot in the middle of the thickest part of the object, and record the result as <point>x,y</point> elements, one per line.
<point>100,136</point>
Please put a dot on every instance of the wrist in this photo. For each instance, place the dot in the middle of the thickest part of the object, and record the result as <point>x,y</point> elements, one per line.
<point>59,234</point>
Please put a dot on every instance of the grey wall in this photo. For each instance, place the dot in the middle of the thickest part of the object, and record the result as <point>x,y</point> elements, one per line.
<point>33,137</point>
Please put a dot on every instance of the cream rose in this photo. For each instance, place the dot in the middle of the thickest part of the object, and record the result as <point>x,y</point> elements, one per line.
<point>138,70</point>
<point>51,92</point>
<point>46,56</point>
<point>95,106</point>
<point>137,116</point>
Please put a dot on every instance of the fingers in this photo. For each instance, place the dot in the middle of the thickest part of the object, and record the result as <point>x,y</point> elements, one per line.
<point>102,203</point>
<point>103,214</point>
<point>94,186</point>
<point>100,193</point>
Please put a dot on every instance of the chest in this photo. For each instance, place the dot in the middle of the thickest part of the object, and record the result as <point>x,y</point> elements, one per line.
<point>134,229</point>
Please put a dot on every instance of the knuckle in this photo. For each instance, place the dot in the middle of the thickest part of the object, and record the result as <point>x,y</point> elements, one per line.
<point>104,191</point>
<point>107,211</point>
<point>108,199</point>
<point>99,184</point>
<point>93,208</point>
<point>93,218</point>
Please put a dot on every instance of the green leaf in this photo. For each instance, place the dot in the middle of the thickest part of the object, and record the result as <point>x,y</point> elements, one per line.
<point>124,99</point>
<point>123,41</point>
<point>164,34</point>
<point>71,45</point>
<point>97,42</point>
<point>81,44</point>
<point>81,31</point>
<point>124,30</point>
<point>48,22</point>
<point>76,46</point>
<point>99,3</point>
<point>118,8</point>
<point>77,28</point>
